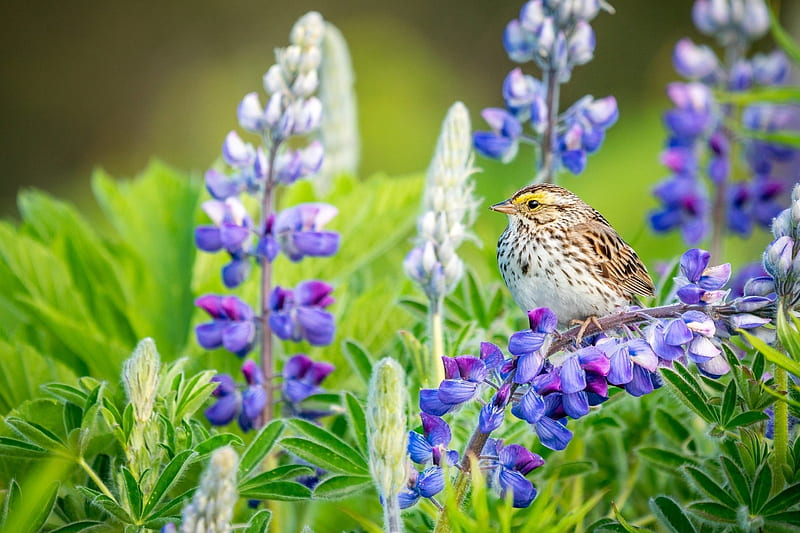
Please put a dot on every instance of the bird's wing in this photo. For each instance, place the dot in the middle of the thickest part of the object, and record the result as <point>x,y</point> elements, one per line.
<point>614,259</point>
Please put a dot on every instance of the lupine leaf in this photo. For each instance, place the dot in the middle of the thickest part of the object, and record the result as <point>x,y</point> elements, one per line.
<point>666,459</point>
<point>773,95</point>
<point>341,486</point>
<point>761,487</point>
<point>321,455</point>
<point>357,357</point>
<point>786,517</point>
<point>771,354</point>
<point>472,287</point>
<point>259,522</point>
<point>786,498</point>
<point>670,426</point>
<point>747,418</point>
<point>107,504</point>
<point>714,510</point>
<point>76,527</point>
<point>171,506</point>
<point>356,419</point>
<point>278,490</point>
<point>166,480</point>
<point>36,434</point>
<point>782,37</point>
<point>17,448</point>
<point>630,528</point>
<point>728,403</point>
<point>688,394</point>
<point>216,441</point>
<point>66,392</point>
<point>758,365</point>
<point>194,393</point>
<point>671,515</point>
<point>133,493</point>
<point>259,448</point>
<point>11,501</point>
<point>325,438</point>
<point>276,474</point>
<point>736,479</point>
<point>710,487</point>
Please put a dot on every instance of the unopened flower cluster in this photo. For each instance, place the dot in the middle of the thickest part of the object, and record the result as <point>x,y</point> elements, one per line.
<point>292,111</point>
<point>700,142</point>
<point>557,36</point>
<point>546,387</point>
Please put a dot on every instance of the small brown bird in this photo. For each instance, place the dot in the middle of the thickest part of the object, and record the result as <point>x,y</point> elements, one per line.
<point>559,252</point>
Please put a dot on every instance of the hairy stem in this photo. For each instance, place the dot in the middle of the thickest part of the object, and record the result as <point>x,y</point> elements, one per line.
<point>437,340</point>
<point>267,363</point>
<point>547,166</point>
<point>781,424</point>
<point>94,477</point>
<point>391,516</point>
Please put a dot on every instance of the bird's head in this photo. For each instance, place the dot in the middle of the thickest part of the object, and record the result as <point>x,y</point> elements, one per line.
<point>539,204</point>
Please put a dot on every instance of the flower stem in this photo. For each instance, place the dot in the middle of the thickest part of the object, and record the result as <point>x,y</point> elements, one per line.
<point>547,166</point>
<point>94,477</point>
<point>391,516</point>
<point>781,424</point>
<point>267,363</point>
<point>437,340</point>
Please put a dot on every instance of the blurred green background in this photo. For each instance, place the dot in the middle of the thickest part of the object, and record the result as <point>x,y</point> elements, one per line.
<point>114,84</point>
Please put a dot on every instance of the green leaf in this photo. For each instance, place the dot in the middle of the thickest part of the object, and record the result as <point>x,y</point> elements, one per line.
<point>259,448</point>
<point>775,95</point>
<point>12,500</point>
<point>360,362</point>
<point>320,455</point>
<point>783,137</point>
<point>76,527</point>
<point>36,434</point>
<point>787,517</point>
<point>327,439</point>
<point>771,354</point>
<point>337,487</point>
<point>566,470</point>
<point>167,479</point>
<point>356,419</point>
<point>713,511</point>
<point>666,459</point>
<point>782,37</point>
<point>105,503</point>
<point>671,515</point>
<point>783,500</point>
<point>276,474</point>
<point>736,479</point>
<point>133,492</point>
<point>728,403</point>
<point>278,490</point>
<point>689,394</point>
<point>670,426</point>
<point>217,441</point>
<point>626,526</point>
<point>710,487</point>
<point>472,288</point>
<point>259,522</point>
<point>193,393</point>
<point>16,448</point>
<point>747,418</point>
<point>761,487</point>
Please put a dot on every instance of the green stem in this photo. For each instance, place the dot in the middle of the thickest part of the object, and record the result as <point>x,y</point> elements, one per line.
<point>437,341</point>
<point>781,431</point>
<point>267,360</point>
<point>94,477</point>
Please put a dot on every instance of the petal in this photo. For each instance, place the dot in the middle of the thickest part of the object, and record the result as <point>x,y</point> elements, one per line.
<point>642,354</point>
<point>690,294</point>
<point>319,371</point>
<point>702,350</point>
<point>430,482</point>
<point>573,377</point>
<point>531,407</point>
<point>596,384</point>
<point>430,403</point>
<point>436,429</point>
<point>235,272</point>
<point>491,355</point>
<point>236,309</point>
<point>519,458</point>
<point>407,497</point>
<point>641,383</point>
<point>676,333</point>
<point>716,367</point>
<point>313,292</point>
<point>552,434</point>
<point>318,325</point>
<point>419,449</point>
<point>547,382</point>
<point>525,342</point>
<point>450,367</point>
<point>225,385</point>
<point>715,277</point>
<point>254,399</point>
<point>297,391</point>
<point>576,404</point>
<point>455,391</point>
<point>232,236</point>
<point>211,304</point>
<point>521,489</point>
<point>220,186</point>
<point>491,417</point>
<point>621,371</point>
<point>209,335</point>
<point>223,410</point>
<point>542,320</point>
<point>314,244</point>
<point>693,262</point>
<point>528,367</point>
<point>296,366</point>
<point>471,368</point>
<point>208,238</point>
<point>238,337</point>
<point>281,325</point>
<point>593,360</point>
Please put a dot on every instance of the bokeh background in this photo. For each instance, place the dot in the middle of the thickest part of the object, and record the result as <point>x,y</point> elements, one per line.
<point>114,84</point>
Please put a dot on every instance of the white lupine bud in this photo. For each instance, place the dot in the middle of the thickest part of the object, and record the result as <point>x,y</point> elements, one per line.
<point>274,110</point>
<point>305,84</point>
<point>289,58</point>
<point>429,259</point>
<point>387,436</point>
<point>274,81</point>
<point>308,115</point>
<point>311,59</point>
<point>453,272</point>
<point>426,225</point>
<point>211,508</point>
<point>308,30</point>
<point>755,18</point>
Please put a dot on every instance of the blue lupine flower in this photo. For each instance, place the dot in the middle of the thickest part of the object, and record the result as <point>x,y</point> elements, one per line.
<point>302,377</point>
<point>492,414</point>
<point>699,283</point>
<point>543,413</point>
<point>292,165</point>
<point>578,375</point>
<point>249,169</point>
<point>300,313</point>
<point>298,231</point>
<point>757,202</point>
<point>685,206</point>
<point>510,465</point>
<point>464,376</point>
<point>432,445</point>
<point>503,141</point>
<point>625,357</point>
<point>231,232</point>
<point>525,344</point>
<point>248,404</point>
<point>232,326</point>
<point>425,484</point>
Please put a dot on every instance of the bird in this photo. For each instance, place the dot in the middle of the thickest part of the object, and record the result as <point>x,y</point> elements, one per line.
<point>559,252</point>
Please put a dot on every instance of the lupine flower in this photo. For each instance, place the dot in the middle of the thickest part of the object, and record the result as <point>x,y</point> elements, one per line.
<point>231,232</point>
<point>493,413</point>
<point>211,507</point>
<point>463,377</point>
<point>425,484</point>
<point>525,345</point>
<point>631,365</point>
<point>300,313</point>
<point>298,232</point>
<point>431,446</point>
<point>232,326</point>
<point>302,377</point>
<point>511,465</point>
<point>699,284</point>
<point>248,403</point>
<point>545,414</point>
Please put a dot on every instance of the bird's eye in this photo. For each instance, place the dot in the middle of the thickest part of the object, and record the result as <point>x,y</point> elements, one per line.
<point>533,204</point>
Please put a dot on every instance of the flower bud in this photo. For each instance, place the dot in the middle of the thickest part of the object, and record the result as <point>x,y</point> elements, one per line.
<point>274,110</point>
<point>741,76</point>
<point>546,37</point>
<point>581,44</point>
<point>289,58</point>
<point>305,84</point>
<point>770,69</point>
<point>211,508</point>
<point>755,19</point>
<point>531,15</point>
<point>693,61</point>
<point>308,30</point>
<point>236,152</point>
<point>274,81</point>
<point>311,59</point>
<point>308,117</point>
<point>140,378</point>
<point>518,42</point>
<point>778,258</point>
<point>251,114</point>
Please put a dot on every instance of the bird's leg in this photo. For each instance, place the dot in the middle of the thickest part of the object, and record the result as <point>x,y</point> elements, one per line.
<point>585,324</point>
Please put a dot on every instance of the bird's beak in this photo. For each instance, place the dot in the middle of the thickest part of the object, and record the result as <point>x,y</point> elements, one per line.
<point>504,207</point>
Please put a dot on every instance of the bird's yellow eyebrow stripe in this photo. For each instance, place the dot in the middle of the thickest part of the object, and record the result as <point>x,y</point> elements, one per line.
<point>541,196</point>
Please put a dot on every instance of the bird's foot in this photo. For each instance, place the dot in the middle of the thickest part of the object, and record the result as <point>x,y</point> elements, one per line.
<point>585,324</point>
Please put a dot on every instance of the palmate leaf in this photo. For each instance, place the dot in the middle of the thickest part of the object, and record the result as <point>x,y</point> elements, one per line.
<point>671,515</point>
<point>341,486</point>
<point>259,448</point>
<point>689,392</point>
